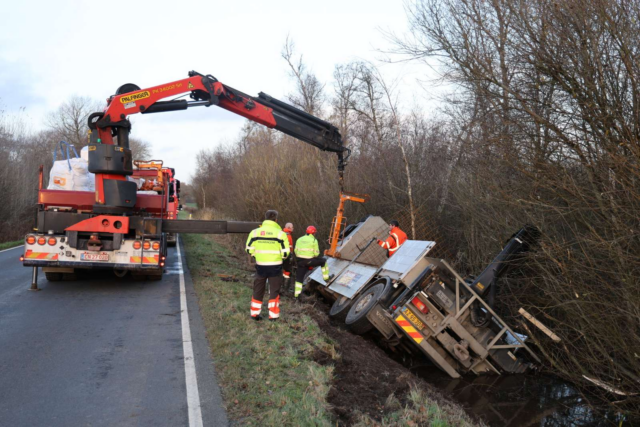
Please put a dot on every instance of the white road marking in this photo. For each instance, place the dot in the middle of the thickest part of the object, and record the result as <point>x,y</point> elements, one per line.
<point>5,250</point>
<point>193,397</point>
<point>171,271</point>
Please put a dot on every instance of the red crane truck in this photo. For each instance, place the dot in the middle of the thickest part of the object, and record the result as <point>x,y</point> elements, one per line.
<point>116,228</point>
<point>154,177</point>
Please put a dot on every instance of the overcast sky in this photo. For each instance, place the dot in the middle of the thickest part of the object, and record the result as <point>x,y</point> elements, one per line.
<point>51,50</point>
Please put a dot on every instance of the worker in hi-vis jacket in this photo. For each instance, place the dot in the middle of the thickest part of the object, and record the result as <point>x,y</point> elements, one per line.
<point>269,245</point>
<point>286,265</point>
<point>396,238</point>
<point>308,255</point>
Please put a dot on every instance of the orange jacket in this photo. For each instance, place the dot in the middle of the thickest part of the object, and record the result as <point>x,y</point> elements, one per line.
<point>396,238</point>
<point>288,231</point>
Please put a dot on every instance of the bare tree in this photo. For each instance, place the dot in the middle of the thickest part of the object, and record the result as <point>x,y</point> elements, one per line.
<point>552,137</point>
<point>393,108</point>
<point>140,149</point>
<point>69,121</point>
<point>309,91</point>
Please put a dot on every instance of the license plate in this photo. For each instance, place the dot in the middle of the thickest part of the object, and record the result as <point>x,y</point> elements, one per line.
<point>94,257</point>
<point>412,317</point>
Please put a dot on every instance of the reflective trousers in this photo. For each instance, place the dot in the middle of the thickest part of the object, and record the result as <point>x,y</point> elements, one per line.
<point>259,286</point>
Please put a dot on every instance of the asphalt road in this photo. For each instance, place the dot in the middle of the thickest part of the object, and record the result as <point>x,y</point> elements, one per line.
<point>100,351</point>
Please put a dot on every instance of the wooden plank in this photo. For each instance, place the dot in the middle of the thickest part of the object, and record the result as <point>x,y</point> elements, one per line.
<point>539,325</point>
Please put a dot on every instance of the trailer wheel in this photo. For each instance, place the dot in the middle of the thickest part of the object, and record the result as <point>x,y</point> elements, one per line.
<point>357,317</point>
<point>53,277</point>
<point>340,308</point>
<point>154,277</point>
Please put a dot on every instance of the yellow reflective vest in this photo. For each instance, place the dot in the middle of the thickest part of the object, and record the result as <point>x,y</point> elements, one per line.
<point>268,244</point>
<point>307,247</point>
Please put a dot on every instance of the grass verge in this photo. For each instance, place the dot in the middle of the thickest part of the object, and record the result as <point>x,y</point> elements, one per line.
<point>266,370</point>
<point>280,374</point>
<point>420,410</point>
<point>8,245</point>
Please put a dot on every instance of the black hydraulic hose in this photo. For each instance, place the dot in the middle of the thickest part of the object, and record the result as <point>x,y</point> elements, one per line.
<point>279,105</point>
<point>302,125</point>
<point>164,106</point>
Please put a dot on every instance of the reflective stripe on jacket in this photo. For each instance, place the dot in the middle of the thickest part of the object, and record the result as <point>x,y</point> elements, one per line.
<point>268,244</point>
<point>307,247</point>
<point>396,238</point>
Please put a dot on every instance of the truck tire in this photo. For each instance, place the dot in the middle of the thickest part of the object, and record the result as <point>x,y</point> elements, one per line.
<point>53,277</point>
<point>340,308</point>
<point>154,277</point>
<point>69,277</point>
<point>143,277</point>
<point>138,277</point>
<point>356,318</point>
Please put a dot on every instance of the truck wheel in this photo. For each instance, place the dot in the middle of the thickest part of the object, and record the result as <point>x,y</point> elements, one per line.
<point>69,277</point>
<point>357,317</point>
<point>154,277</point>
<point>340,308</point>
<point>138,276</point>
<point>53,277</point>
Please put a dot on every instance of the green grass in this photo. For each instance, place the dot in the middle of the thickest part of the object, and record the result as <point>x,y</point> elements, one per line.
<point>266,370</point>
<point>420,410</point>
<point>8,245</point>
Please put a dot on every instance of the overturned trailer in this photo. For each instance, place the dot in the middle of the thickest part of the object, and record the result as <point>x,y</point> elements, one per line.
<point>422,305</point>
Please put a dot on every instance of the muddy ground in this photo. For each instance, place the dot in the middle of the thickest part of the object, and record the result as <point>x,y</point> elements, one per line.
<point>364,375</point>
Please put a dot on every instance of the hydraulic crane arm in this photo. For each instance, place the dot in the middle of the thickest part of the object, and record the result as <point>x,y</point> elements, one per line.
<point>110,159</point>
<point>206,90</point>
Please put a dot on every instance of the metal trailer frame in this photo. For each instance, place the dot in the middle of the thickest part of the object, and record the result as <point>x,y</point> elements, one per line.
<point>445,333</point>
<point>436,332</point>
<point>448,317</point>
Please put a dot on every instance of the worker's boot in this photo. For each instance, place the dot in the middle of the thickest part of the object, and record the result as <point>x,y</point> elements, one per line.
<point>256,307</point>
<point>298,289</point>
<point>325,273</point>
<point>274,308</point>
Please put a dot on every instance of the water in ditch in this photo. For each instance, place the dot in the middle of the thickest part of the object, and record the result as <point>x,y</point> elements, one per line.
<point>522,400</point>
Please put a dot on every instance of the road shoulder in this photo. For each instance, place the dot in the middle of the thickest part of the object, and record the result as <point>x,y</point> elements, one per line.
<point>213,411</point>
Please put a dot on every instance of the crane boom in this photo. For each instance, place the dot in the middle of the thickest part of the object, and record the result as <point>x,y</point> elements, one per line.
<point>109,153</point>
